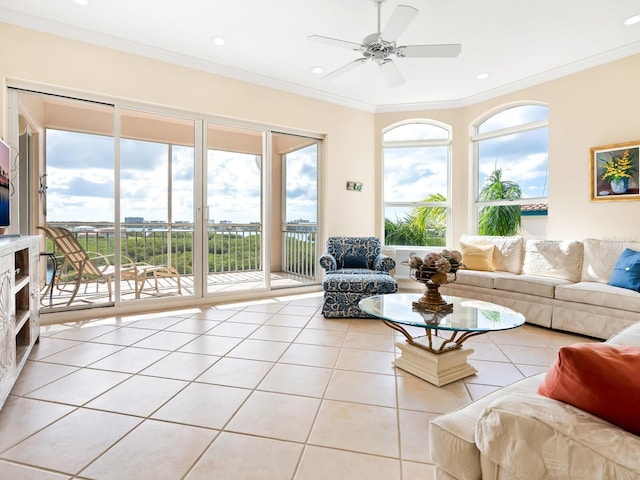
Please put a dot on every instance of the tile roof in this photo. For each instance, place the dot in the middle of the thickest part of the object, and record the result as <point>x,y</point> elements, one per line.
<point>535,207</point>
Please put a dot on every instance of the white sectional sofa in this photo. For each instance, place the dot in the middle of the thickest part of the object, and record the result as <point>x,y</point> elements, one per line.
<point>516,434</point>
<point>556,284</point>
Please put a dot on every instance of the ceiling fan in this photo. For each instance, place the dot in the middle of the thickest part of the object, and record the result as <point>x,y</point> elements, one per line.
<point>379,46</point>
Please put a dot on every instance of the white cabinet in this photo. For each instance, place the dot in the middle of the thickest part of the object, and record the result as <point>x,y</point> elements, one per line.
<point>19,312</point>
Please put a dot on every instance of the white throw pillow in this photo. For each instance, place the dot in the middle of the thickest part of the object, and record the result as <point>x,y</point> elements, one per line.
<point>600,256</point>
<point>551,258</point>
<point>508,254</point>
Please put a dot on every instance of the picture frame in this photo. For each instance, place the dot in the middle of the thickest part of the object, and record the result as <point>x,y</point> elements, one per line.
<point>615,172</point>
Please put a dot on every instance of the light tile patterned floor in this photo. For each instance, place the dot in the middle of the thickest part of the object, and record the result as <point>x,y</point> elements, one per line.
<point>267,389</point>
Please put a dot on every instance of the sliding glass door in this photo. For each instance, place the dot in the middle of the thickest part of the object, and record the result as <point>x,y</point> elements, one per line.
<point>164,205</point>
<point>77,185</point>
<point>234,196</point>
<point>295,158</point>
<point>156,193</point>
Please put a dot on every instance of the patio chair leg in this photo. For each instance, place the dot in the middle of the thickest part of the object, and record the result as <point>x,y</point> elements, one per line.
<point>74,293</point>
<point>167,272</point>
<point>78,283</point>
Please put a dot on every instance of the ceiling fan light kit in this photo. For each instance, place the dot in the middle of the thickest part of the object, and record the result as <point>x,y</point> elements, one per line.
<point>379,46</point>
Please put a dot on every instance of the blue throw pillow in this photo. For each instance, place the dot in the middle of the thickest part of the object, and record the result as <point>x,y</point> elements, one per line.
<point>354,261</point>
<point>626,273</point>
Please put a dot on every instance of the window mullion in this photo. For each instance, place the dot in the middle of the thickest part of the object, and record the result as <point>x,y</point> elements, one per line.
<point>510,130</point>
<point>415,143</point>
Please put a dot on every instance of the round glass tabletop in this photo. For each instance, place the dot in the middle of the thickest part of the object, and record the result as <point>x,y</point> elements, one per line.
<point>467,315</point>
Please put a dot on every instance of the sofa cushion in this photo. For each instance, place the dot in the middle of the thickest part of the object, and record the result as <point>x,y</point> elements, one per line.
<point>599,294</point>
<point>600,379</point>
<point>354,261</point>
<point>626,273</point>
<point>527,437</point>
<point>452,436</point>
<point>508,254</point>
<point>627,336</point>
<point>600,256</point>
<point>478,278</point>
<point>365,283</point>
<point>550,258</point>
<point>477,257</point>
<point>530,284</point>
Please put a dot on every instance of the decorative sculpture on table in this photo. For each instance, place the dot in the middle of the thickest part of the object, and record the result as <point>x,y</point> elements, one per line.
<point>433,270</point>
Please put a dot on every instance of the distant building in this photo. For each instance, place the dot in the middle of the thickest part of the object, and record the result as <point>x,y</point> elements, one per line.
<point>133,219</point>
<point>300,225</point>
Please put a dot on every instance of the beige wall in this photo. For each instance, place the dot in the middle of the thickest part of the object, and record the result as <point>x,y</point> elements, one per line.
<point>54,62</point>
<point>591,108</point>
<point>595,107</point>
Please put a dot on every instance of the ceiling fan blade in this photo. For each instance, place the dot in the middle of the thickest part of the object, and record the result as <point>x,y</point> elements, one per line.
<point>344,69</point>
<point>443,50</point>
<point>399,21</point>
<point>391,73</point>
<point>334,42</point>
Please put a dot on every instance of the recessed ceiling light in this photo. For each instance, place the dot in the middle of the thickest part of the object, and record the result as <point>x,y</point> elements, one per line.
<point>219,41</point>
<point>632,20</point>
<point>483,76</point>
<point>84,3</point>
<point>317,70</point>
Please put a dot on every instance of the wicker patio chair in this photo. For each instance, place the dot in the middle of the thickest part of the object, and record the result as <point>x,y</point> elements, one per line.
<point>78,266</point>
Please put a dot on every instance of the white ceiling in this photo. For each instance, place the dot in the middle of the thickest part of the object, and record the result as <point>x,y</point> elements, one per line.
<point>517,42</point>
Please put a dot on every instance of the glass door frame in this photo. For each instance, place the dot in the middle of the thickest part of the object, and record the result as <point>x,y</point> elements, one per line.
<point>200,169</point>
<point>204,210</point>
<point>284,217</point>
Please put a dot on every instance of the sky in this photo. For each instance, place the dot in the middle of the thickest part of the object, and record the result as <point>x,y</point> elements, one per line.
<point>413,173</point>
<point>522,157</point>
<point>80,173</point>
<point>80,180</point>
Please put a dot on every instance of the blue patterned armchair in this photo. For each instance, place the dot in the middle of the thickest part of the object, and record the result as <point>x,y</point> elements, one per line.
<point>355,269</point>
<point>355,255</point>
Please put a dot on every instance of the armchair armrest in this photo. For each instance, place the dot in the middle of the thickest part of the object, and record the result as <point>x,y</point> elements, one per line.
<point>328,262</point>
<point>384,263</point>
<point>535,437</point>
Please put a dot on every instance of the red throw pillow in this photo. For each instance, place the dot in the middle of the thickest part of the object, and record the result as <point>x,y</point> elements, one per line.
<point>599,378</point>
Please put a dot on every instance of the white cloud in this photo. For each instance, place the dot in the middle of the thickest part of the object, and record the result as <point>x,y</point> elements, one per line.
<point>81,191</point>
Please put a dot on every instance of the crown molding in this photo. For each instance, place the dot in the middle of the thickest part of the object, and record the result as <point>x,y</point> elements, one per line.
<point>565,70</point>
<point>116,43</point>
<point>107,41</point>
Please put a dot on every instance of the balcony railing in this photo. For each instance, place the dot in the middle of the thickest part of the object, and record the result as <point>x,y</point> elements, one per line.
<point>232,247</point>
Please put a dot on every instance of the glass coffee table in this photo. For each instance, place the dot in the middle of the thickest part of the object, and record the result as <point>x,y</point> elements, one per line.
<point>439,356</point>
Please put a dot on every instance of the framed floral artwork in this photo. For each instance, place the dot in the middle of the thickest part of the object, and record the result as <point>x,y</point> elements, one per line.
<point>615,171</point>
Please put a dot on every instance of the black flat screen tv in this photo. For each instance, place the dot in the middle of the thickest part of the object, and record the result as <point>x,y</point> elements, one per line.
<point>5,184</point>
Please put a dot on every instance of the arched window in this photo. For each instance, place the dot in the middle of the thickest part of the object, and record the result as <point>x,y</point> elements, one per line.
<point>511,167</point>
<point>416,158</point>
